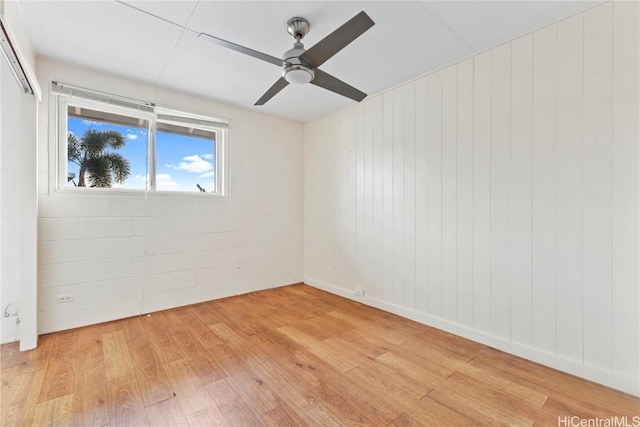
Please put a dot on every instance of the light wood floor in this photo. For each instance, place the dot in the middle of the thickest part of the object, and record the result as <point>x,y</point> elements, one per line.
<point>288,356</point>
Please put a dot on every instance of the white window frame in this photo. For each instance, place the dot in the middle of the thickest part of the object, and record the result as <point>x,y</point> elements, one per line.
<point>195,121</point>
<point>168,115</point>
<point>63,117</point>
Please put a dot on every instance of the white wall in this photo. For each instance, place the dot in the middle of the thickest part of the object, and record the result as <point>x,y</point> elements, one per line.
<point>496,198</point>
<point>125,254</point>
<point>18,190</point>
<point>10,94</point>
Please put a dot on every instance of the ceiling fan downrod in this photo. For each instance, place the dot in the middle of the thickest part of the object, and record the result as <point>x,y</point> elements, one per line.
<point>295,69</point>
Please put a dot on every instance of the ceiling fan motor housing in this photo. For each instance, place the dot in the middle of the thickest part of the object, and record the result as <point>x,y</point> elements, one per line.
<point>296,70</point>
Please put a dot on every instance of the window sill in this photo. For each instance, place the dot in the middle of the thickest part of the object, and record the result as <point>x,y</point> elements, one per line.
<point>121,192</point>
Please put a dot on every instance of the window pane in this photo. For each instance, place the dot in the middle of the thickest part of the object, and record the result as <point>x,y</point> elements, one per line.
<point>106,150</point>
<point>185,159</point>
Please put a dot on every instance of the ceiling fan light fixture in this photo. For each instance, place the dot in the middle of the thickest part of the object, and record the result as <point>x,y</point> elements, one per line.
<point>298,74</point>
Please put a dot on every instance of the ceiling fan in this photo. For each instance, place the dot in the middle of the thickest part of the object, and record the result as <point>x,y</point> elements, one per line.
<point>300,66</point>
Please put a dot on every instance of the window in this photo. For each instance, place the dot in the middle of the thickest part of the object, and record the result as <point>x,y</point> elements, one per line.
<point>108,142</point>
<point>186,154</point>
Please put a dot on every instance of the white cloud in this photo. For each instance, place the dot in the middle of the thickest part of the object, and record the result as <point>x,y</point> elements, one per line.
<point>164,182</point>
<point>207,174</point>
<point>194,164</point>
<point>132,136</point>
<point>207,156</point>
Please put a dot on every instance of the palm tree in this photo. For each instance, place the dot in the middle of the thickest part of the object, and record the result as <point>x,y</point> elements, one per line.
<point>89,153</point>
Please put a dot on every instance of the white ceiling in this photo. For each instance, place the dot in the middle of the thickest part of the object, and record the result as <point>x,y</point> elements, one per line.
<point>155,41</point>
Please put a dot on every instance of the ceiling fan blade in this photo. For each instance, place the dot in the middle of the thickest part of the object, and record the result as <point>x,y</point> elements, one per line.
<point>327,81</point>
<point>263,56</point>
<point>280,84</point>
<point>334,42</point>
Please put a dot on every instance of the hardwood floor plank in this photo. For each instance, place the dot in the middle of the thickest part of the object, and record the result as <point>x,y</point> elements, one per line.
<point>200,331</point>
<point>282,318</point>
<point>318,348</point>
<point>90,402</point>
<point>524,394</point>
<point>439,360</point>
<point>406,367</point>
<point>20,399</point>
<point>282,416</point>
<point>440,339</point>
<point>255,390</point>
<point>6,378</point>
<point>234,341</point>
<point>398,388</point>
<point>181,337</point>
<point>269,330</point>
<point>431,413</point>
<point>434,351</point>
<point>59,378</point>
<point>353,350</point>
<point>117,360</point>
<point>232,407</point>
<point>554,383</point>
<point>372,343</point>
<point>31,360</point>
<point>228,360</point>
<point>187,386</point>
<point>310,369</point>
<point>388,334</point>
<point>10,355</point>
<point>286,356</point>
<point>199,358</point>
<point>166,413</point>
<point>343,406</point>
<point>159,338</point>
<point>266,346</point>
<point>233,317</point>
<point>299,400</point>
<point>209,417</point>
<point>204,313</point>
<point>55,412</point>
<point>313,328</point>
<point>112,326</point>
<point>125,403</point>
<point>152,380</point>
<point>151,377</point>
<point>436,365</point>
<point>353,407</point>
<point>482,402</point>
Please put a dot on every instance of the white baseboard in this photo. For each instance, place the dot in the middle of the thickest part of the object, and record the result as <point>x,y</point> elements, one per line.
<point>598,375</point>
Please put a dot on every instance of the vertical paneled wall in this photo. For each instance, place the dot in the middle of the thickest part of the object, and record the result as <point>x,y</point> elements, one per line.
<point>496,198</point>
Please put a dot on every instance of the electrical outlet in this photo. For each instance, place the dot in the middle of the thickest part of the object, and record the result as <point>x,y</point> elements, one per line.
<point>64,298</point>
<point>359,292</point>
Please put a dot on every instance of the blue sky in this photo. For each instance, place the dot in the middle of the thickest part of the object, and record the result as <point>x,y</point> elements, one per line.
<point>181,161</point>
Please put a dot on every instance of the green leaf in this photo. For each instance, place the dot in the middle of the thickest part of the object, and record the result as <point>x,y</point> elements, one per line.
<point>103,167</point>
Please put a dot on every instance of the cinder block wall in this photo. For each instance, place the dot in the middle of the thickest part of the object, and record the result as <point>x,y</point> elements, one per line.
<point>121,254</point>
